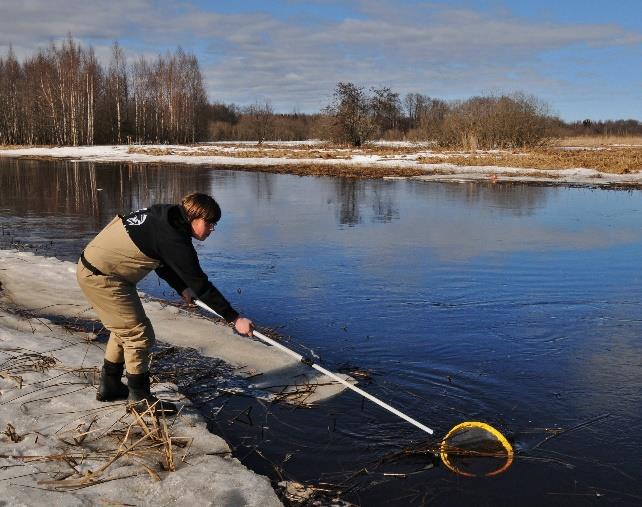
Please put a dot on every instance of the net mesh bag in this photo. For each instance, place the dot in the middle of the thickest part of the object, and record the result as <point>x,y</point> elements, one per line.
<point>476,449</point>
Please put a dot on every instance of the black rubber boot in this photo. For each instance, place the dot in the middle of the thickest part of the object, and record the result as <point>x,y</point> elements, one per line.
<point>141,398</point>
<point>110,387</point>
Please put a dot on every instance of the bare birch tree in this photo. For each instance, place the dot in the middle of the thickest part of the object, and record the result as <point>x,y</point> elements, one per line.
<point>116,93</point>
<point>63,96</point>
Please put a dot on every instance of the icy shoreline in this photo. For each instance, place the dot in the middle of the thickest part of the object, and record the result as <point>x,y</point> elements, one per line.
<point>60,443</point>
<point>409,160</point>
<point>57,438</point>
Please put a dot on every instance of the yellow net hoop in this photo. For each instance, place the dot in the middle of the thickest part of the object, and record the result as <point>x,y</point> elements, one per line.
<point>502,450</point>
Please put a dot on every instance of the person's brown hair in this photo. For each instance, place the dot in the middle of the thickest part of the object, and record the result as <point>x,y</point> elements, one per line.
<point>201,206</point>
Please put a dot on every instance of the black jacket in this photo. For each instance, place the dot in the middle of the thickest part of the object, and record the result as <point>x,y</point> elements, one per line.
<point>162,232</point>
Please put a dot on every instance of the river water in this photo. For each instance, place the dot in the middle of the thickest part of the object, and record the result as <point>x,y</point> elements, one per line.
<point>518,305</point>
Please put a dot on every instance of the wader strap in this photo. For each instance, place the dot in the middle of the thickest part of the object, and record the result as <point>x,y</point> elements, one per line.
<point>89,266</point>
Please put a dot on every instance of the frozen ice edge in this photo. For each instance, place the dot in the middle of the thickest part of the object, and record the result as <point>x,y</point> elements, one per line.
<point>47,418</point>
<point>47,286</point>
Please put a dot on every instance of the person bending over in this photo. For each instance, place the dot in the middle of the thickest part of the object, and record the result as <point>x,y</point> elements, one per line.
<point>158,238</point>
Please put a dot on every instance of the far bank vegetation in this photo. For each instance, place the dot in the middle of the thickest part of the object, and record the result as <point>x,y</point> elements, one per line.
<point>63,96</point>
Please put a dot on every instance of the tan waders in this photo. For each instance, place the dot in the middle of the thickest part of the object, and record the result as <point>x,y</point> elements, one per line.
<point>107,273</point>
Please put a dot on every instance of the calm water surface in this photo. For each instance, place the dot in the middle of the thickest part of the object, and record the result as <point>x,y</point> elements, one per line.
<point>516,305</point>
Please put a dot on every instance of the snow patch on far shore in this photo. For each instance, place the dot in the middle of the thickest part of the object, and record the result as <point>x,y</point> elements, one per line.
<point>190,155</point>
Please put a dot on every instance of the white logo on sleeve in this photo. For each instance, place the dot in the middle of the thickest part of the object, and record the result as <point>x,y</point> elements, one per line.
<point>137,217</point>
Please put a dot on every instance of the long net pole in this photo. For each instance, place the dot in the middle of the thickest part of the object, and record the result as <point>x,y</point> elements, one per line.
<point>328,373</point>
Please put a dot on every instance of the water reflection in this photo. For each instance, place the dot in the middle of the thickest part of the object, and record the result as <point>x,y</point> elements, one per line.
<point>516,199</point>
<point>263,185</point>
<point>81,188</point>
<point>354,198</point>
<point>349,194</point>
<point>458,222</point>
<point>30,186</point>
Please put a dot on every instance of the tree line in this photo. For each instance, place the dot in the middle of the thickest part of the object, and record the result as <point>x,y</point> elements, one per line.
<point>64,96</point>
<point>589,127</point>
<point>356,115</point>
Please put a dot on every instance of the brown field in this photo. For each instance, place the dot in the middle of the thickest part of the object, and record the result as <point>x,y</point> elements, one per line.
<point>619,155</point>
<point>294,152</point>
<point>596,141</point>
<point>325,151</point>
<point>342,170</point>
<point>610,160</point>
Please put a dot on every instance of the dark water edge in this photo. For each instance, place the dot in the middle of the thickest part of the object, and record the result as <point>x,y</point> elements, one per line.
<point>514,304</point>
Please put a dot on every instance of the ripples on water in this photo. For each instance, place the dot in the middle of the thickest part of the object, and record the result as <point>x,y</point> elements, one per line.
<point>518,305</point>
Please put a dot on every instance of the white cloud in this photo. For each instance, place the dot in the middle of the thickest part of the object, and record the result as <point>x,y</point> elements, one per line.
<point>426,48</point>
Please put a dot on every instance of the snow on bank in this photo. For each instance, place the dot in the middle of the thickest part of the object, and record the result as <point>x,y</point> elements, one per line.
<point>496,174</point>
<point>59,445</point>
<point>434,172</point>
<point>47,286</point>
<point>58,440</point>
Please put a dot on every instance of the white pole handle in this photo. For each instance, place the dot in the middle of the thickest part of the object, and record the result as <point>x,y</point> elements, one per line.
<point>333,376</point>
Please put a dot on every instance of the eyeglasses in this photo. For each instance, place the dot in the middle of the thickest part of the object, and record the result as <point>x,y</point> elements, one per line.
<point>212,225</point>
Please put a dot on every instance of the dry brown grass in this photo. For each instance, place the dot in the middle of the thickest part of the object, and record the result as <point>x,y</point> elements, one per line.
<point>93,445</point>
<point>300,169</point>
<point>153,151</point>
<point>24,146</point>
<point>609,160</point>
<point>341,170</point>
<point>140,438</point>
<point>277,153</point>
<point>329,152</point>
<point>596,141</point>
<point>23,363</point>
<point>43,157</point>
<point>245,152</point>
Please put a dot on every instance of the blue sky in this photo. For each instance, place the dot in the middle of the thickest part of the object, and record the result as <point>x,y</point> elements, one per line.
<point>581,57</point>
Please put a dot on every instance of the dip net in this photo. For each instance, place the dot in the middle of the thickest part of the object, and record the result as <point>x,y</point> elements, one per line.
<point>476,449</point>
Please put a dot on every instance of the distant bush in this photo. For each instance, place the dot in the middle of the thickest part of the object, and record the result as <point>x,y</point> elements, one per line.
<point>351,115</point>
<point>484,122</point>
<point>506,121</point>
<point>295,126</point>
<point>258,122</point>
